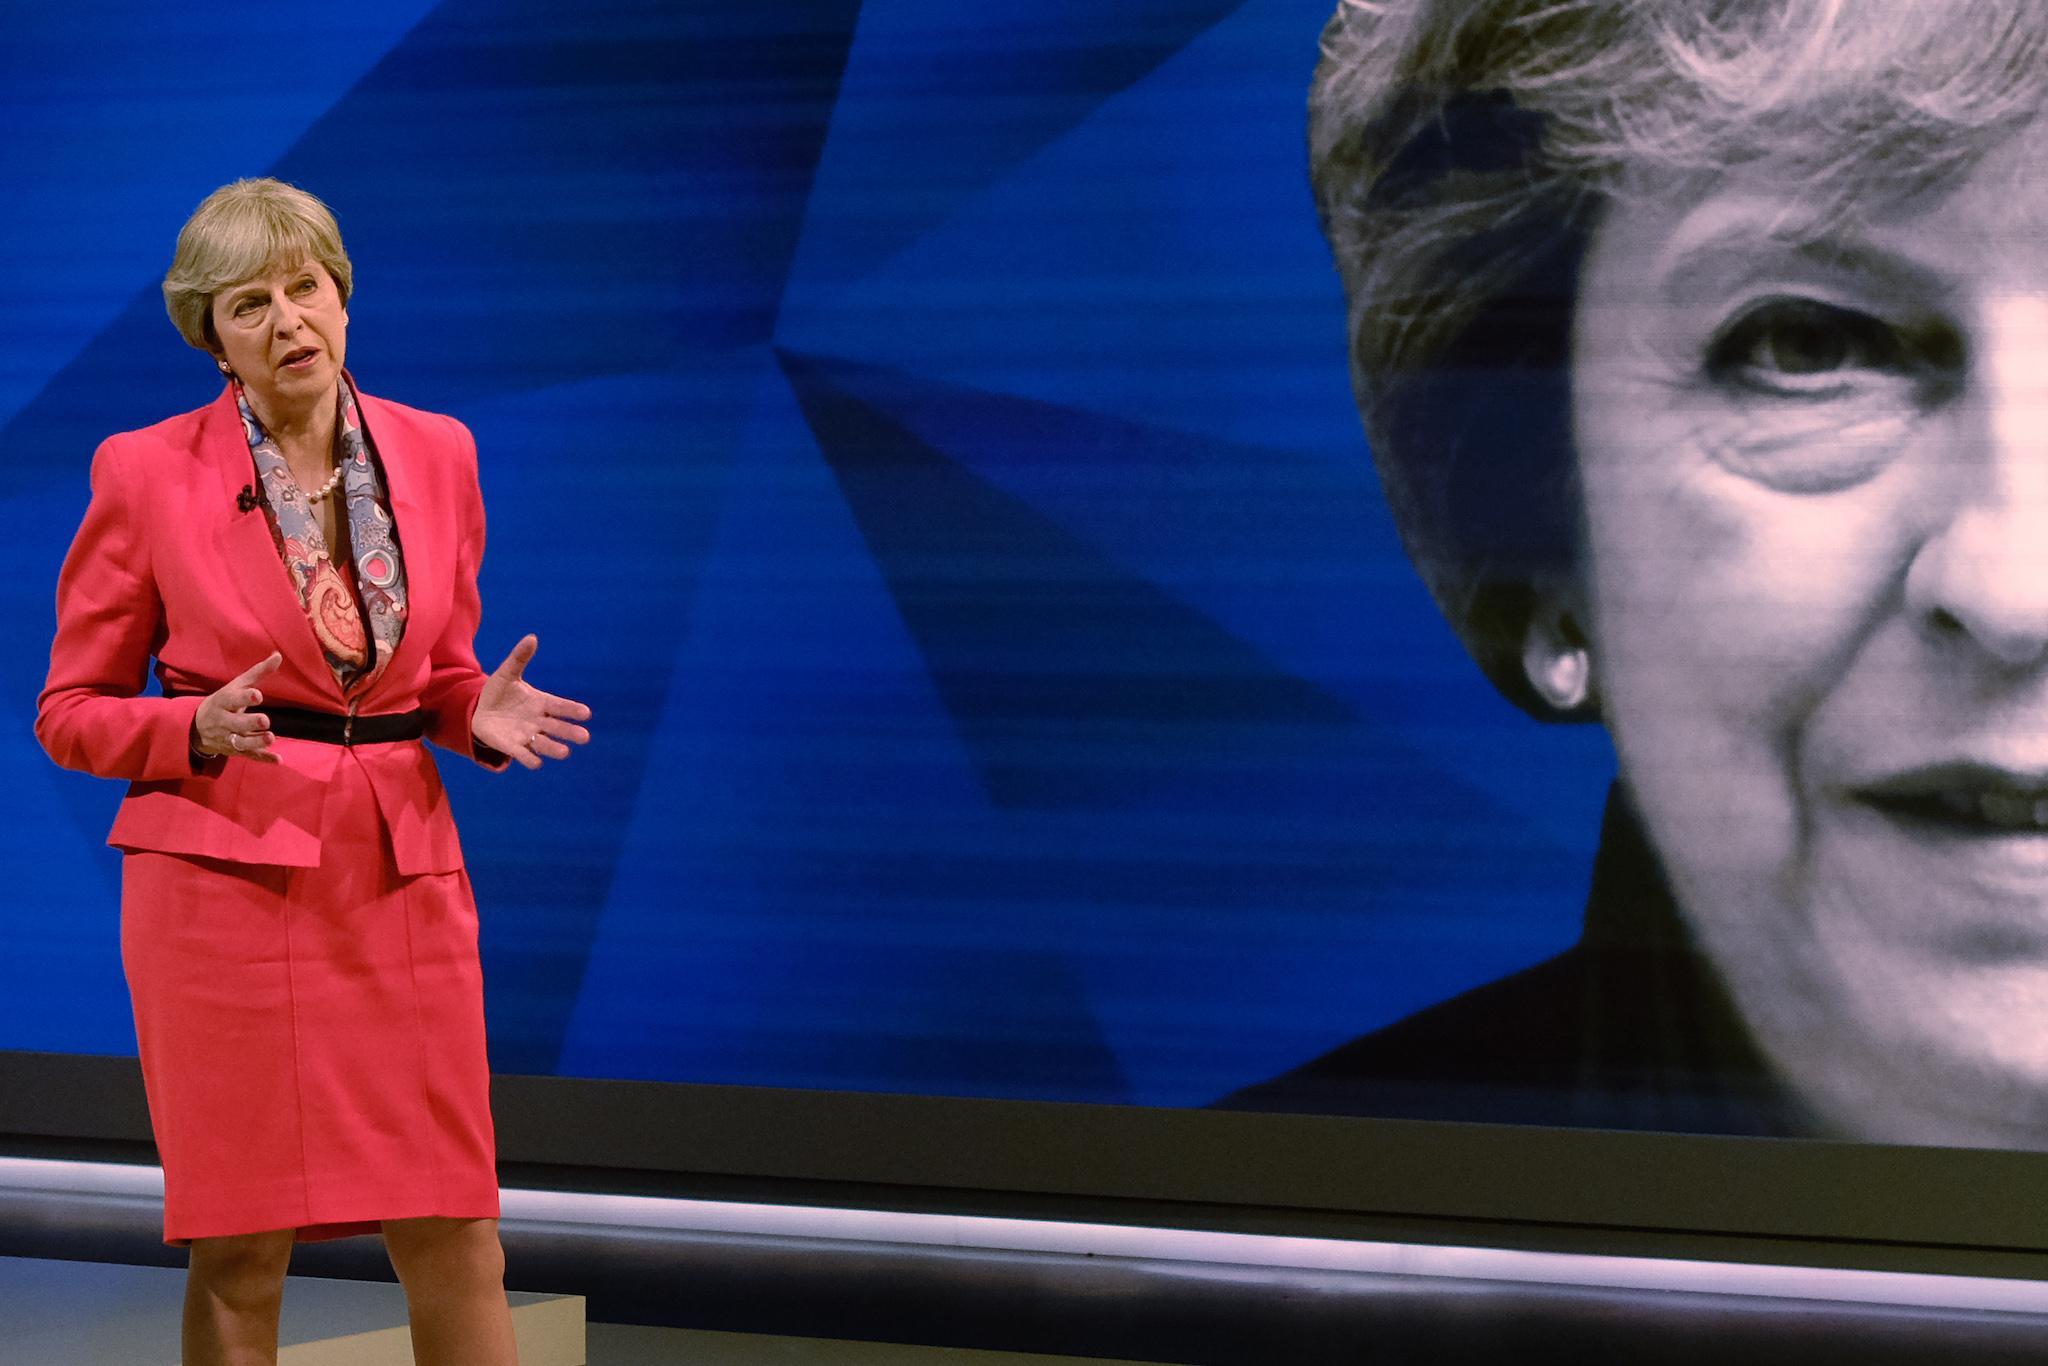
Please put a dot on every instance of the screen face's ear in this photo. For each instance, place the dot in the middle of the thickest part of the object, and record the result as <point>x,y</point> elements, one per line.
<point>1557,655</point>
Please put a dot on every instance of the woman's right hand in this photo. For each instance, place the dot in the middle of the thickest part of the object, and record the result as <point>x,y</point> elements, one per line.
<point>223,723</point>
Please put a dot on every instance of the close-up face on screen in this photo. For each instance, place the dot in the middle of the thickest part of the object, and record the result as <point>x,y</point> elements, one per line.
<point>1701,346</point>
<point>1815,570</point>
<point>1431,560</point>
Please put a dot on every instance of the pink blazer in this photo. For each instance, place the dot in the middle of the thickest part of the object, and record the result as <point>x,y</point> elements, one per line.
<point>168,564</point>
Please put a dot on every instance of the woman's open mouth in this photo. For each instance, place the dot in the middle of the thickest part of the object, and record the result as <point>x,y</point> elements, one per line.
<point>300,359</point>
<point>1953,857</point>
<point>1966,799</point>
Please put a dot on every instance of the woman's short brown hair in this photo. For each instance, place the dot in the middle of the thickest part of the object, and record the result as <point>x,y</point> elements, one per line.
<point>239,231</point>
<point>1462,151</point>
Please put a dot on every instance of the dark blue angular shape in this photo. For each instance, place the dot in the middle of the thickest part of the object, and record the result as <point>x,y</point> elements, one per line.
<point>1072,681</point>
<point>1024,74</point>
<point>674,145</point>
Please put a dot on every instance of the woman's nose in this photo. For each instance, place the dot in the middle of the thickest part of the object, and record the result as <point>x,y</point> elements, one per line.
<point>284,315</point>
<point>1983,573</point>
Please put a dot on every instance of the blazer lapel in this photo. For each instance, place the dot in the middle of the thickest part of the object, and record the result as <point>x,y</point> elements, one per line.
<point>420,539</point>
<point>243,537</point>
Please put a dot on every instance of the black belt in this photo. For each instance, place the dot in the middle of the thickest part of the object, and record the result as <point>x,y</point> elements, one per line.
<point>331,728</point>
<point>337,728</point>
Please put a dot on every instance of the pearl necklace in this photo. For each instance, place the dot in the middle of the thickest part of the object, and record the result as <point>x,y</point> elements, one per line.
<point>332,481</point>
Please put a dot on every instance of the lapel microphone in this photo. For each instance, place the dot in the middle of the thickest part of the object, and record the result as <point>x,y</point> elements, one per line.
<point>246,499</point>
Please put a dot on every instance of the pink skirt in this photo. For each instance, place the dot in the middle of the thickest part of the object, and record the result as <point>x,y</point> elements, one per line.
<point>312,1039</point>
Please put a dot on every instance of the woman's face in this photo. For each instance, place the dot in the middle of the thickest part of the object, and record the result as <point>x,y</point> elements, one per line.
<point>1815,473</point>
<point>286,335</point>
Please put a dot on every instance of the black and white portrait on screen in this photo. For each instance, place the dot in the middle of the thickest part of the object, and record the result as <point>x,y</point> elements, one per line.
<point>1702,349</point>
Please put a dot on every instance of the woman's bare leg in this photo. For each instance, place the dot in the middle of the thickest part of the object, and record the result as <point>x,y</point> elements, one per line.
<point>453,1271</point>
<point>234,1287</point>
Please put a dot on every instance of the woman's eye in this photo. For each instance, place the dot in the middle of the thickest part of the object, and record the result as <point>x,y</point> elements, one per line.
<point>247,306</point>
<point>1819,397</point>
<point>303,287</point>
<point>1804,348</point>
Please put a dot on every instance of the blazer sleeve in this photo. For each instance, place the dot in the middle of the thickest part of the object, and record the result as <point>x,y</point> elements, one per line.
<point>91,715</point>
<point>454,678</point>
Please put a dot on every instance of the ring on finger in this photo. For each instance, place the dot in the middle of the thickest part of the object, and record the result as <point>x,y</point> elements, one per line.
<point>236,741</point>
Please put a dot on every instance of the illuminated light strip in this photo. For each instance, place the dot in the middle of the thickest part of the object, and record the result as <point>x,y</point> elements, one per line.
<point>1190,1246</point>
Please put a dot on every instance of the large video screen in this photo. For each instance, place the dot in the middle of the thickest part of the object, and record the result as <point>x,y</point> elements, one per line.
<point>1056,633</point>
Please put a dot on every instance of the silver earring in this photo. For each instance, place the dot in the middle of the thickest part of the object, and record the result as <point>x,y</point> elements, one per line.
<point>1561,674</point>
<point>225,368</point>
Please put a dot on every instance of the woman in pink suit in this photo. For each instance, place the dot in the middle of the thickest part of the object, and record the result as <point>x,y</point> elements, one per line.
<point>297,928</point>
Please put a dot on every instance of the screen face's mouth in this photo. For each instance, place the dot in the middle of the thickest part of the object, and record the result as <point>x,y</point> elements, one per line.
<point>1964,798</point>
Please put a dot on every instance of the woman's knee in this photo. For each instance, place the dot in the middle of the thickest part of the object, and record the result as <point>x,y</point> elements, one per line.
<point>445,1251</point>
<point>244,1270</point>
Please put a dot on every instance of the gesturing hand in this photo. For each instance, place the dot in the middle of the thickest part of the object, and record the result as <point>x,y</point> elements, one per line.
<point>224,725</point>
<point>517,719</point>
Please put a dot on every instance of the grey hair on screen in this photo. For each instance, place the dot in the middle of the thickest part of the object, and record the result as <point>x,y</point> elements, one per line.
<point>1461,152</point>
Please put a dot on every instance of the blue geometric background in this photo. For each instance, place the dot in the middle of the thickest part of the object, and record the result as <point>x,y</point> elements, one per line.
<point>921,433</point>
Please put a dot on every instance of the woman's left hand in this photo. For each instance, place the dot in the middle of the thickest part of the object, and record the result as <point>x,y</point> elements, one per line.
<point>519,720</point>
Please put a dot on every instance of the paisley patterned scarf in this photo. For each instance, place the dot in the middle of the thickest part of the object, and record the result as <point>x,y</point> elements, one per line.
<point>357,656</point>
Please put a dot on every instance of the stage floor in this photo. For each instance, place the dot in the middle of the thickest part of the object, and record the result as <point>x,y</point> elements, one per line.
<point>60,1313</point>
<point>620,1344</point>
<point>72,1313</point>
